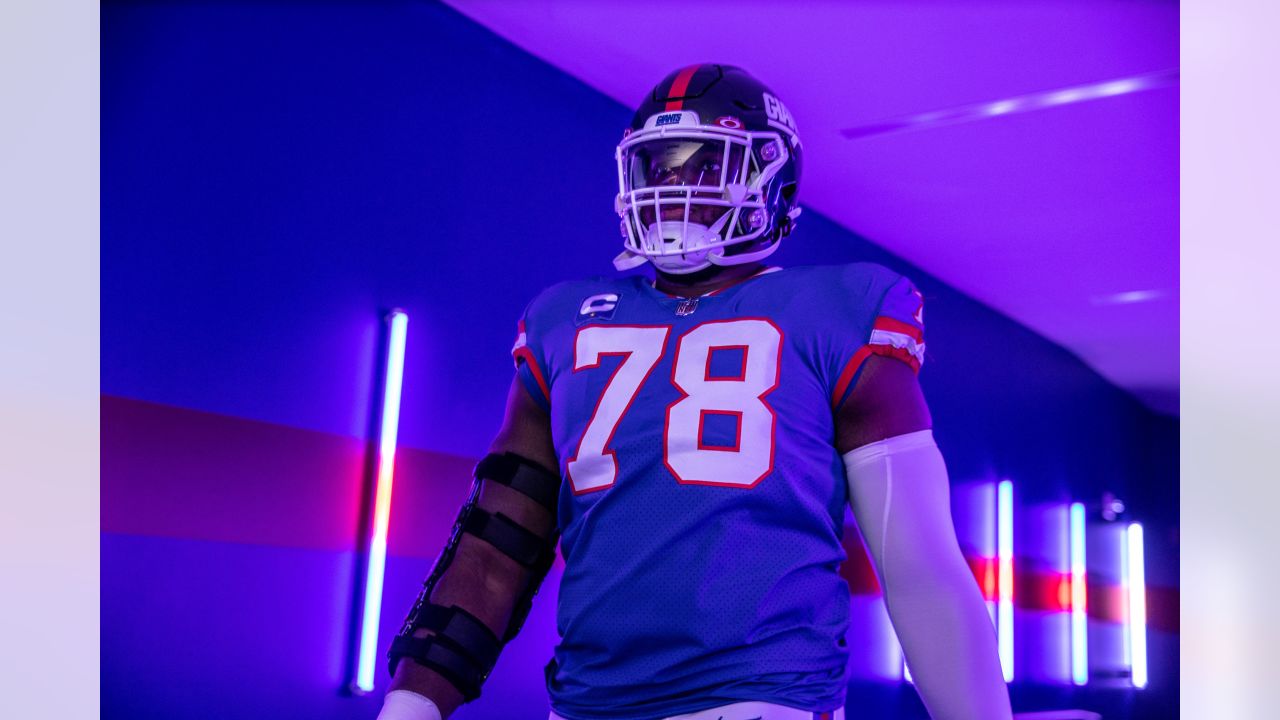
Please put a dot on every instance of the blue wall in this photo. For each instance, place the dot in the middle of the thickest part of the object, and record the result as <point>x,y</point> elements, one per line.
<point>276,175</point>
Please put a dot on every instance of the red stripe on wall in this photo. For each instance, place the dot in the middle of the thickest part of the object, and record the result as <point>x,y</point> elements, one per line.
<point>986,571</point>
<point>1110,603</point>
<point>1041,589</point>
<point>174,472</point>
<point>169,471</point>
<point>1035,589</point>
<point>1106,602</point>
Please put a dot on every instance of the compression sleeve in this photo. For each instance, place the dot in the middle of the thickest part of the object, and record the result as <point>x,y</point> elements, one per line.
<point>901,498</point>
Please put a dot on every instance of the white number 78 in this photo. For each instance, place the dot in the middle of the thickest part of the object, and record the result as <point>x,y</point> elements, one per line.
<point>594,466</point>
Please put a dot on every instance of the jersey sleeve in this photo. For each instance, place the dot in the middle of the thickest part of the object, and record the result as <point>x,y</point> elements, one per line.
<point>894,328</point>
<point>530,360</point>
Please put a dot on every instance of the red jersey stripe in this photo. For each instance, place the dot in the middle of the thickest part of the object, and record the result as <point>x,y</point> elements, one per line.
<point>846,375</point>
<point>894,325</point>
<point>526,354</point>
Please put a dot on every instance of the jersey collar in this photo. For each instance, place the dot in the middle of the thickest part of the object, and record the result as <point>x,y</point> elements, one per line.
<point>717,291</point>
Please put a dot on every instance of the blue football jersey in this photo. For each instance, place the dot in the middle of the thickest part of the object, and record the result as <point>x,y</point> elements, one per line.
<point>702,504</point>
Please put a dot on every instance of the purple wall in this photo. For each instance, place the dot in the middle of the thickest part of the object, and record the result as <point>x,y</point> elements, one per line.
<point>275,177</point>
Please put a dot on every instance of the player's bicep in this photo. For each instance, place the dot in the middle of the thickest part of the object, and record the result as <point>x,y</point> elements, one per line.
<point>886,401</point>
<point>525,431</point>
<point>526,428</point>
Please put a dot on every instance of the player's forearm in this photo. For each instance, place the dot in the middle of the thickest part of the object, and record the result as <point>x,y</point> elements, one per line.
<point>950,646</point>
<point>476,565</point>
<point>484,581</point>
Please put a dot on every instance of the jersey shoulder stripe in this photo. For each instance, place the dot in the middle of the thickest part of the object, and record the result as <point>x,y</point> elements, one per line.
<point>897,326</point>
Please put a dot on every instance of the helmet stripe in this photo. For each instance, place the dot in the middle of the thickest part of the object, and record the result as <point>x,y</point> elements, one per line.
<point>679,86</point>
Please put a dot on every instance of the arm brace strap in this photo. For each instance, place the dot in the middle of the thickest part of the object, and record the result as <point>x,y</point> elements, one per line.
<point>508,536</point>
<point>543,487</point>
<point>536,482</point>
<point>463,650</point>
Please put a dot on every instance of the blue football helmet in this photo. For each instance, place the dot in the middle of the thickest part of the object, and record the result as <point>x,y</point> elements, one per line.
<point>708,172</point>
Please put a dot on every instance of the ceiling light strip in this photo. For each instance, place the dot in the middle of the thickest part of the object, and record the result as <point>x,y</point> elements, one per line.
<point>1018,104</point>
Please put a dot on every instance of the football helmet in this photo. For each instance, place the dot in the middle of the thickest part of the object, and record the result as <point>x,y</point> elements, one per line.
<point>707,172</point>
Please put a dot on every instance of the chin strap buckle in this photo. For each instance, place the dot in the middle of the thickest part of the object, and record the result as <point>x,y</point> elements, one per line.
<point>627,260</point>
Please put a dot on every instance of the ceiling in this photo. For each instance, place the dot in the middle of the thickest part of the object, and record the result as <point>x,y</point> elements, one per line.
<point>1058,210</point>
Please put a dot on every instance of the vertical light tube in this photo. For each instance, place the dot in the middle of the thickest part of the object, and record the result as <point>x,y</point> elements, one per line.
<point>1004,554</point>
<point>1079,598</point>
<point>990,564</point>
<point>382,499</point>
<point>1136,622</point>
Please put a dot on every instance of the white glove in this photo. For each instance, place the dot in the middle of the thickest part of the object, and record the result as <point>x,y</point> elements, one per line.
<point>408,705</point>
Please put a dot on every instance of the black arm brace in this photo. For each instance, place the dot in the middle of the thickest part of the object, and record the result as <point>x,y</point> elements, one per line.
<point>462,649</point>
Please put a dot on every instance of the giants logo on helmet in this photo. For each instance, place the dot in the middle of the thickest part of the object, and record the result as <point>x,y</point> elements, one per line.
<point>778,112</point>
<point>671,119</point>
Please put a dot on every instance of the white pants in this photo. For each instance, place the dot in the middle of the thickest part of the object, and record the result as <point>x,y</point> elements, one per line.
<point>750,711</point>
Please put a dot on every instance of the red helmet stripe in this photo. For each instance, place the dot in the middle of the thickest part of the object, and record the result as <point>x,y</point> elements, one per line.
<point>679,87</point>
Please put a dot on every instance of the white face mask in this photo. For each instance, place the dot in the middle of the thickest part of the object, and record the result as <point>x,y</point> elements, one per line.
<point>690,192</point>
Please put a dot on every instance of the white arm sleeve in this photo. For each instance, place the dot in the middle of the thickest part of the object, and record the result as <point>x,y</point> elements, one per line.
<point>901,498</point>
<point>408,705</point>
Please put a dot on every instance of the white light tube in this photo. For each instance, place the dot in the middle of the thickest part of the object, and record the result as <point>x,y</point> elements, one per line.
<point>1079,598</point>
<point>382,504</point>
<point>1004,554</point>
<point>1137,616</point>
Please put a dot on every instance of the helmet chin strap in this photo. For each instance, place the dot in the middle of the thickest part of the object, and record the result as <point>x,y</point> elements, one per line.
<point>683,235</point>
<point>627,260</point>
<point>719,258</point>
<point>680,267</point>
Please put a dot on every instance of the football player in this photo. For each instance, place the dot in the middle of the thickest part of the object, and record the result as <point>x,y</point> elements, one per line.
<point>691,441</point>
